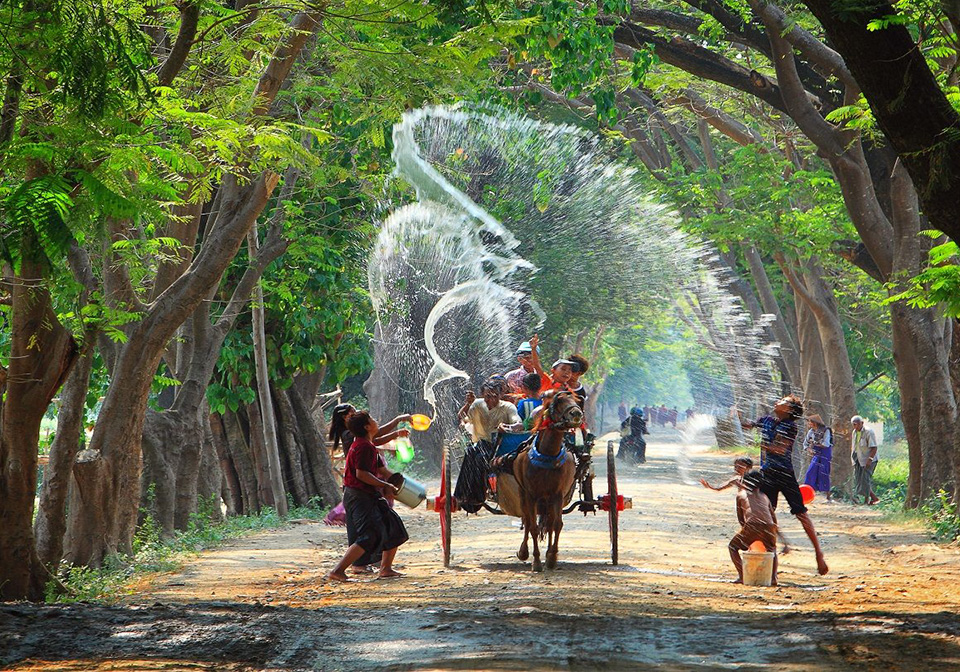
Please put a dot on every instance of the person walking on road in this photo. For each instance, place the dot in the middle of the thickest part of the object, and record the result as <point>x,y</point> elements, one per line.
<point>863,454</point>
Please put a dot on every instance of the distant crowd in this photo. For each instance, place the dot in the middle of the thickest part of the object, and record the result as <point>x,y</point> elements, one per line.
<point>656,415</point>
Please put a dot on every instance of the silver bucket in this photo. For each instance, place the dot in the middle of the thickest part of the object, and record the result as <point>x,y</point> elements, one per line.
<point>409,491</point>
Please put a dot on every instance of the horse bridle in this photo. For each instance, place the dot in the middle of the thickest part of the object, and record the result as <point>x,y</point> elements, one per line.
<point>570,418</point>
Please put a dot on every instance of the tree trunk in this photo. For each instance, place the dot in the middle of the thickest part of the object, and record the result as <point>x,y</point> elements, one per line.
<point>931,342</point>
<point>87,484</point>
<point>955,379</point>
<point>188,466</point>
<point>315,447</point>
<point>51,522</point>
<point>908,382</point>
<point>938,409</point>
<point>119,429</point>
<point>117,436</point>
<point>41,354</point>
<point>231,488</point>
<point>295,466</point>
<point>839,371</point>
<point>783,330</point>
<point>265,491</point>
<point>210,477</point>
<point>818,296</point>
<point>813,376</point>
<point>163,432</point>
<point>590,408</point>
<point>814,382</point>
<point>267,416</point>
<point>244,462</point>
<point>910,107</point>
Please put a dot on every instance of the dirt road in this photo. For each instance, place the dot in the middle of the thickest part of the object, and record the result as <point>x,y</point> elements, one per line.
<point>890,601</point>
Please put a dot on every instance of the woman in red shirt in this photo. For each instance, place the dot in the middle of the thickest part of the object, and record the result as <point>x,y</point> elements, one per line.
<point>378,527</point>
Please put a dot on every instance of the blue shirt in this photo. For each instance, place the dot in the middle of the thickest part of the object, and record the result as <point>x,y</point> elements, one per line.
<point>777,431</point>
<point>525,409</point>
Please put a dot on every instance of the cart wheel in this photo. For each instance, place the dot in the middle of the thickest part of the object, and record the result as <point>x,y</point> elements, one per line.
<point>613,514</point>
<point>446,514</point>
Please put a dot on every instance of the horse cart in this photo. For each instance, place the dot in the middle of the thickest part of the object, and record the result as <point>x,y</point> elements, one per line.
<point>531,489</point>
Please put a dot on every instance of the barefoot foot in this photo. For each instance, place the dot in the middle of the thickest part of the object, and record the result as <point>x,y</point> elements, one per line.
<point>339,577</point>
<point>388,574</point>
<point>822,567</point>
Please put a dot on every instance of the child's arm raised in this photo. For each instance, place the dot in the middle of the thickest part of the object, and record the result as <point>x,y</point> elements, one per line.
<point>535,357</point>
<point>745,424</point>
<point>468,400</point>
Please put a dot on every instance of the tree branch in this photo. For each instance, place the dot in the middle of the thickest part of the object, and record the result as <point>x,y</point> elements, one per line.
<point>753,35</point>
<point>275,74</point>
<point>910,107</point>
<point>673,20</point>
<point>646,101</point>
<point>813,49</point>
<point>799,107</point>
<point>642,146</point>
<point>720,120</point>
<point>699,62</point>
<point>189,20</point>
<point>796,282</point>
<point>855,252</point>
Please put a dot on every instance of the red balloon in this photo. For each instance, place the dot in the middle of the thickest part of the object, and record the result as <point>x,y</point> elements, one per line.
<point>807,493</point>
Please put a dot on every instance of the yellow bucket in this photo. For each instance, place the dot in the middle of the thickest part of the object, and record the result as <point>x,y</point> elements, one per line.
<point>757,568</point>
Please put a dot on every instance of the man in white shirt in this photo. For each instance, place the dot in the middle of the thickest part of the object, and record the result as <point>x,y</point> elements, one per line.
<point>863,453</point>
<point>483,417</point>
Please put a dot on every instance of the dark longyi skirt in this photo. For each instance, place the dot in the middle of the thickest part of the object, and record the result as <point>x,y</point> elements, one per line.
<point>377,527</point>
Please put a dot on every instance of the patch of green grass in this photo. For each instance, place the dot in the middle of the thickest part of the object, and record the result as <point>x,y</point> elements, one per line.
<point>941,512</point>
<point>152,554</point>
<point>890,484</point>
<point>938,511</point>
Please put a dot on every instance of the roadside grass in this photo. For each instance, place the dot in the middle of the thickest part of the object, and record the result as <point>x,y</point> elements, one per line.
<point>939,512</point>
<point>151,554</point>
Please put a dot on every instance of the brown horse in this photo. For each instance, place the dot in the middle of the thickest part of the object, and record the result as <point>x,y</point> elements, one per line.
<point>545,473</point>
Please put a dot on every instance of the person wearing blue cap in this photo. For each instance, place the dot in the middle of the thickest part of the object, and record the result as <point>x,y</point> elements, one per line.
<point>525,358</point>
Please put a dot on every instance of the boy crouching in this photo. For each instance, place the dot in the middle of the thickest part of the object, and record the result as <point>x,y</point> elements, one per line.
<point>759,523</point>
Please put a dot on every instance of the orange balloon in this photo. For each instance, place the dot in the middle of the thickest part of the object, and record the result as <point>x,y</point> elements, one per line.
<point>807,493</point>
<point>758,547</point>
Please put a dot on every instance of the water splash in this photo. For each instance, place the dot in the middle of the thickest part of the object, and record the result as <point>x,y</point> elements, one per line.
<point>689,432</point>
<point>499,195</point>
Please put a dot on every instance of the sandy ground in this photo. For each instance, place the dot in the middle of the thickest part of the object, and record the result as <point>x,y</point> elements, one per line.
<point>890,602</point>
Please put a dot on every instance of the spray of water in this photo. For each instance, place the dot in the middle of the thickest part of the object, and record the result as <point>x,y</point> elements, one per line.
<point>692,429</point>
<point>502,197</point>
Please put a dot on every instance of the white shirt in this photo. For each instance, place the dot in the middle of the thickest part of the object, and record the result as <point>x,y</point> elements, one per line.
<point>862,442</point>
<point>484,421</point>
